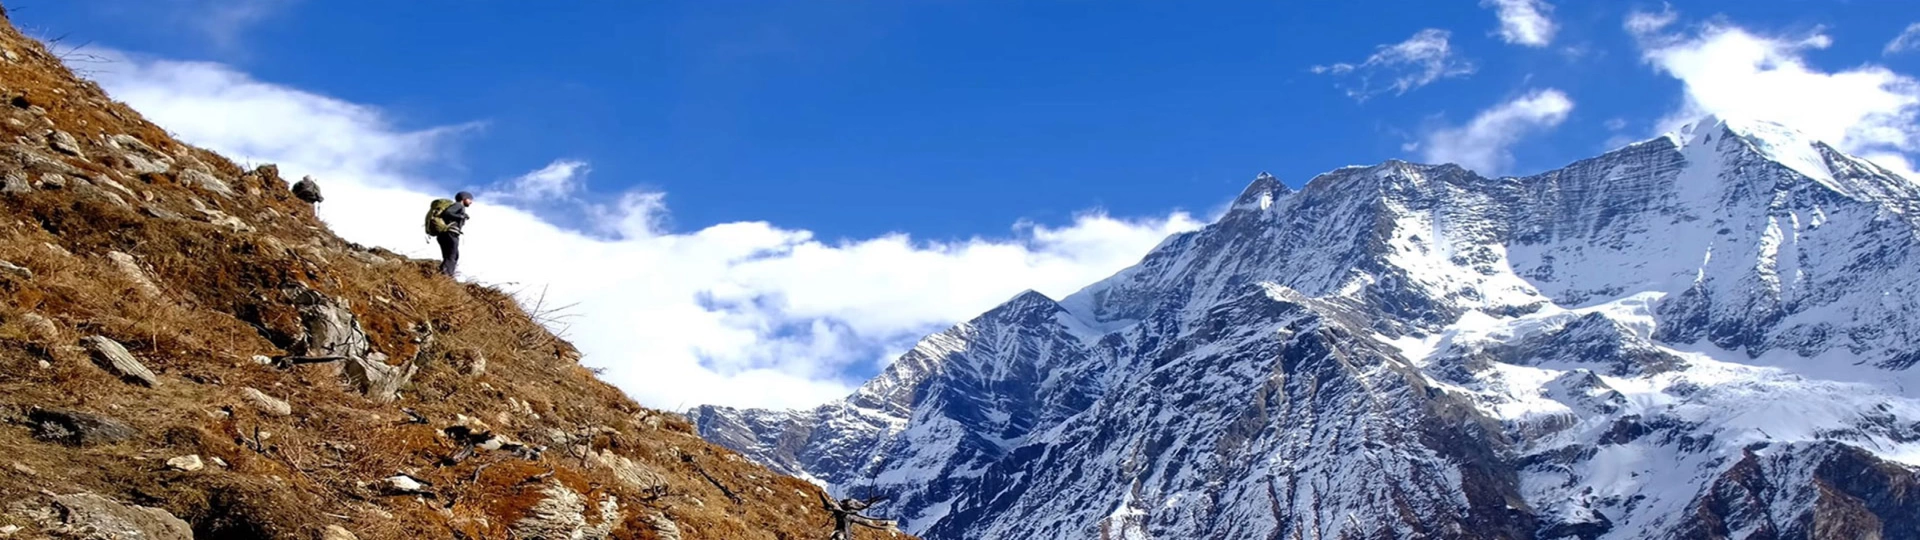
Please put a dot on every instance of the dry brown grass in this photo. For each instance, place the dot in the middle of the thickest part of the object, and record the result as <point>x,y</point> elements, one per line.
<point>222,301</point>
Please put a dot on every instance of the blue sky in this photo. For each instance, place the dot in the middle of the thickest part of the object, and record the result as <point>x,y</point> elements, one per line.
<point>1071,134</point>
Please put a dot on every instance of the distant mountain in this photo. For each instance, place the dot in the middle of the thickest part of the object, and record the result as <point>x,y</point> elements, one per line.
<point>1711,334</point>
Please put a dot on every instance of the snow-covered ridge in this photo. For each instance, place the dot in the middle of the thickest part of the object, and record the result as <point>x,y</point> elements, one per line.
<point>1675,339</point>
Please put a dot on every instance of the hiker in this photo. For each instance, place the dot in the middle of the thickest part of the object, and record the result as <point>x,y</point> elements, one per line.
<point>846,514</point>
<point>444,220</point>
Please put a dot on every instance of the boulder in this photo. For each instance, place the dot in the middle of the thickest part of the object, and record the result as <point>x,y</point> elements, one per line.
<point>75,428</point>
<point>205,180</point>
<point>113,357</point>
<point>63,142</point>
<point>333,331</point>
<point>13,182</point>
<point>308,190</point>
<point>89,516</point>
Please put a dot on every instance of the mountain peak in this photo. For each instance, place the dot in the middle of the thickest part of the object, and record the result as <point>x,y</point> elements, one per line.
<point>1260,194</point>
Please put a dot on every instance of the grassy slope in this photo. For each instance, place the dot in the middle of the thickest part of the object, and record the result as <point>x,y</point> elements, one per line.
<point>221,301</point>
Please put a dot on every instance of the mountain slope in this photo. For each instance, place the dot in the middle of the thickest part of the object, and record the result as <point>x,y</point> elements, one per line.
<point>186,351</point>
<point>1703,335</point>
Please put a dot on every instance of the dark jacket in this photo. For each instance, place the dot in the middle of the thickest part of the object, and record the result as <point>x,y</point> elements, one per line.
<point>456,217</point>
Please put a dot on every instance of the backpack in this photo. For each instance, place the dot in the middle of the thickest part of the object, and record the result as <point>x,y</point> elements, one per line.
<point>435,225</point>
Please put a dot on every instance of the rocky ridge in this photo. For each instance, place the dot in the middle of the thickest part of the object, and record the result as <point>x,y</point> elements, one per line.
<point>1703,335</point>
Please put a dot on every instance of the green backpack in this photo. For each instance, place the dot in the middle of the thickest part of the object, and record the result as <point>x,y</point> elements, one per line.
<point>435,225</point>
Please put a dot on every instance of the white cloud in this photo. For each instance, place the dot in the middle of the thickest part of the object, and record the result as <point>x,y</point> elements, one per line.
<point>1420,60</point>
<point>556,181</point>
<point>1869,110</point>
<point>1641,23</point>
<point>1482,144</point>
<point>1908,40</point>
<point>1524,22</point>
<point>743,313</point>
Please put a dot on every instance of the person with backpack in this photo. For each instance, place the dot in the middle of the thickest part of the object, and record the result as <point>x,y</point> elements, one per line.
<point>444,220</point>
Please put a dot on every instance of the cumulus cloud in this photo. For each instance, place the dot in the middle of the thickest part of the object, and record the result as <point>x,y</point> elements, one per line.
<point>1401,67</point>
<point>1483,144</point>
<point>1908,40</point>
<point>1868,110</point>
<point>1524,22</point>
<point>747,314</point>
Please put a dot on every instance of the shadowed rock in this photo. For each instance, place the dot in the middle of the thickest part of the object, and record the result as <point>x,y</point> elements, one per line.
<point>75,428</point>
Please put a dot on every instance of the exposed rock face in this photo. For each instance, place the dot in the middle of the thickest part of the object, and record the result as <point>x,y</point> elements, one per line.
<point>564,514</point>
<point>1690,337</point>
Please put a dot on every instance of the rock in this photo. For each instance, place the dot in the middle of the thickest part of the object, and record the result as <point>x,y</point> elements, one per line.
<point>12,182</point>
<point>563,514</point>
<point>113,357</point>
<point>336,532</point>
<point>401,484</point>
<point>265,403</point>
<point>663,527</point>
<point>262,359</point>
<point>141,165</point>
<point>64,143</point>
<point>9,530</point>
<point>54,181</point>
<point>205,180</point>
<point>35,162</point>
<point>308,190</point>
<point>187,463</point>
<point>217,462</point>
<point>75,428</point>
<point>14,270</point>
<point>88,189</point>
<point>332,330</point>
<point>131,268</point>
<point>92,517</point>
<point>375,378</point>
<point>22,468</point>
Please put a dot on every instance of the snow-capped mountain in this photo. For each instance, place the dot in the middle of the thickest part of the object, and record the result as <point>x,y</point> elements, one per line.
<point>1711,334</point>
